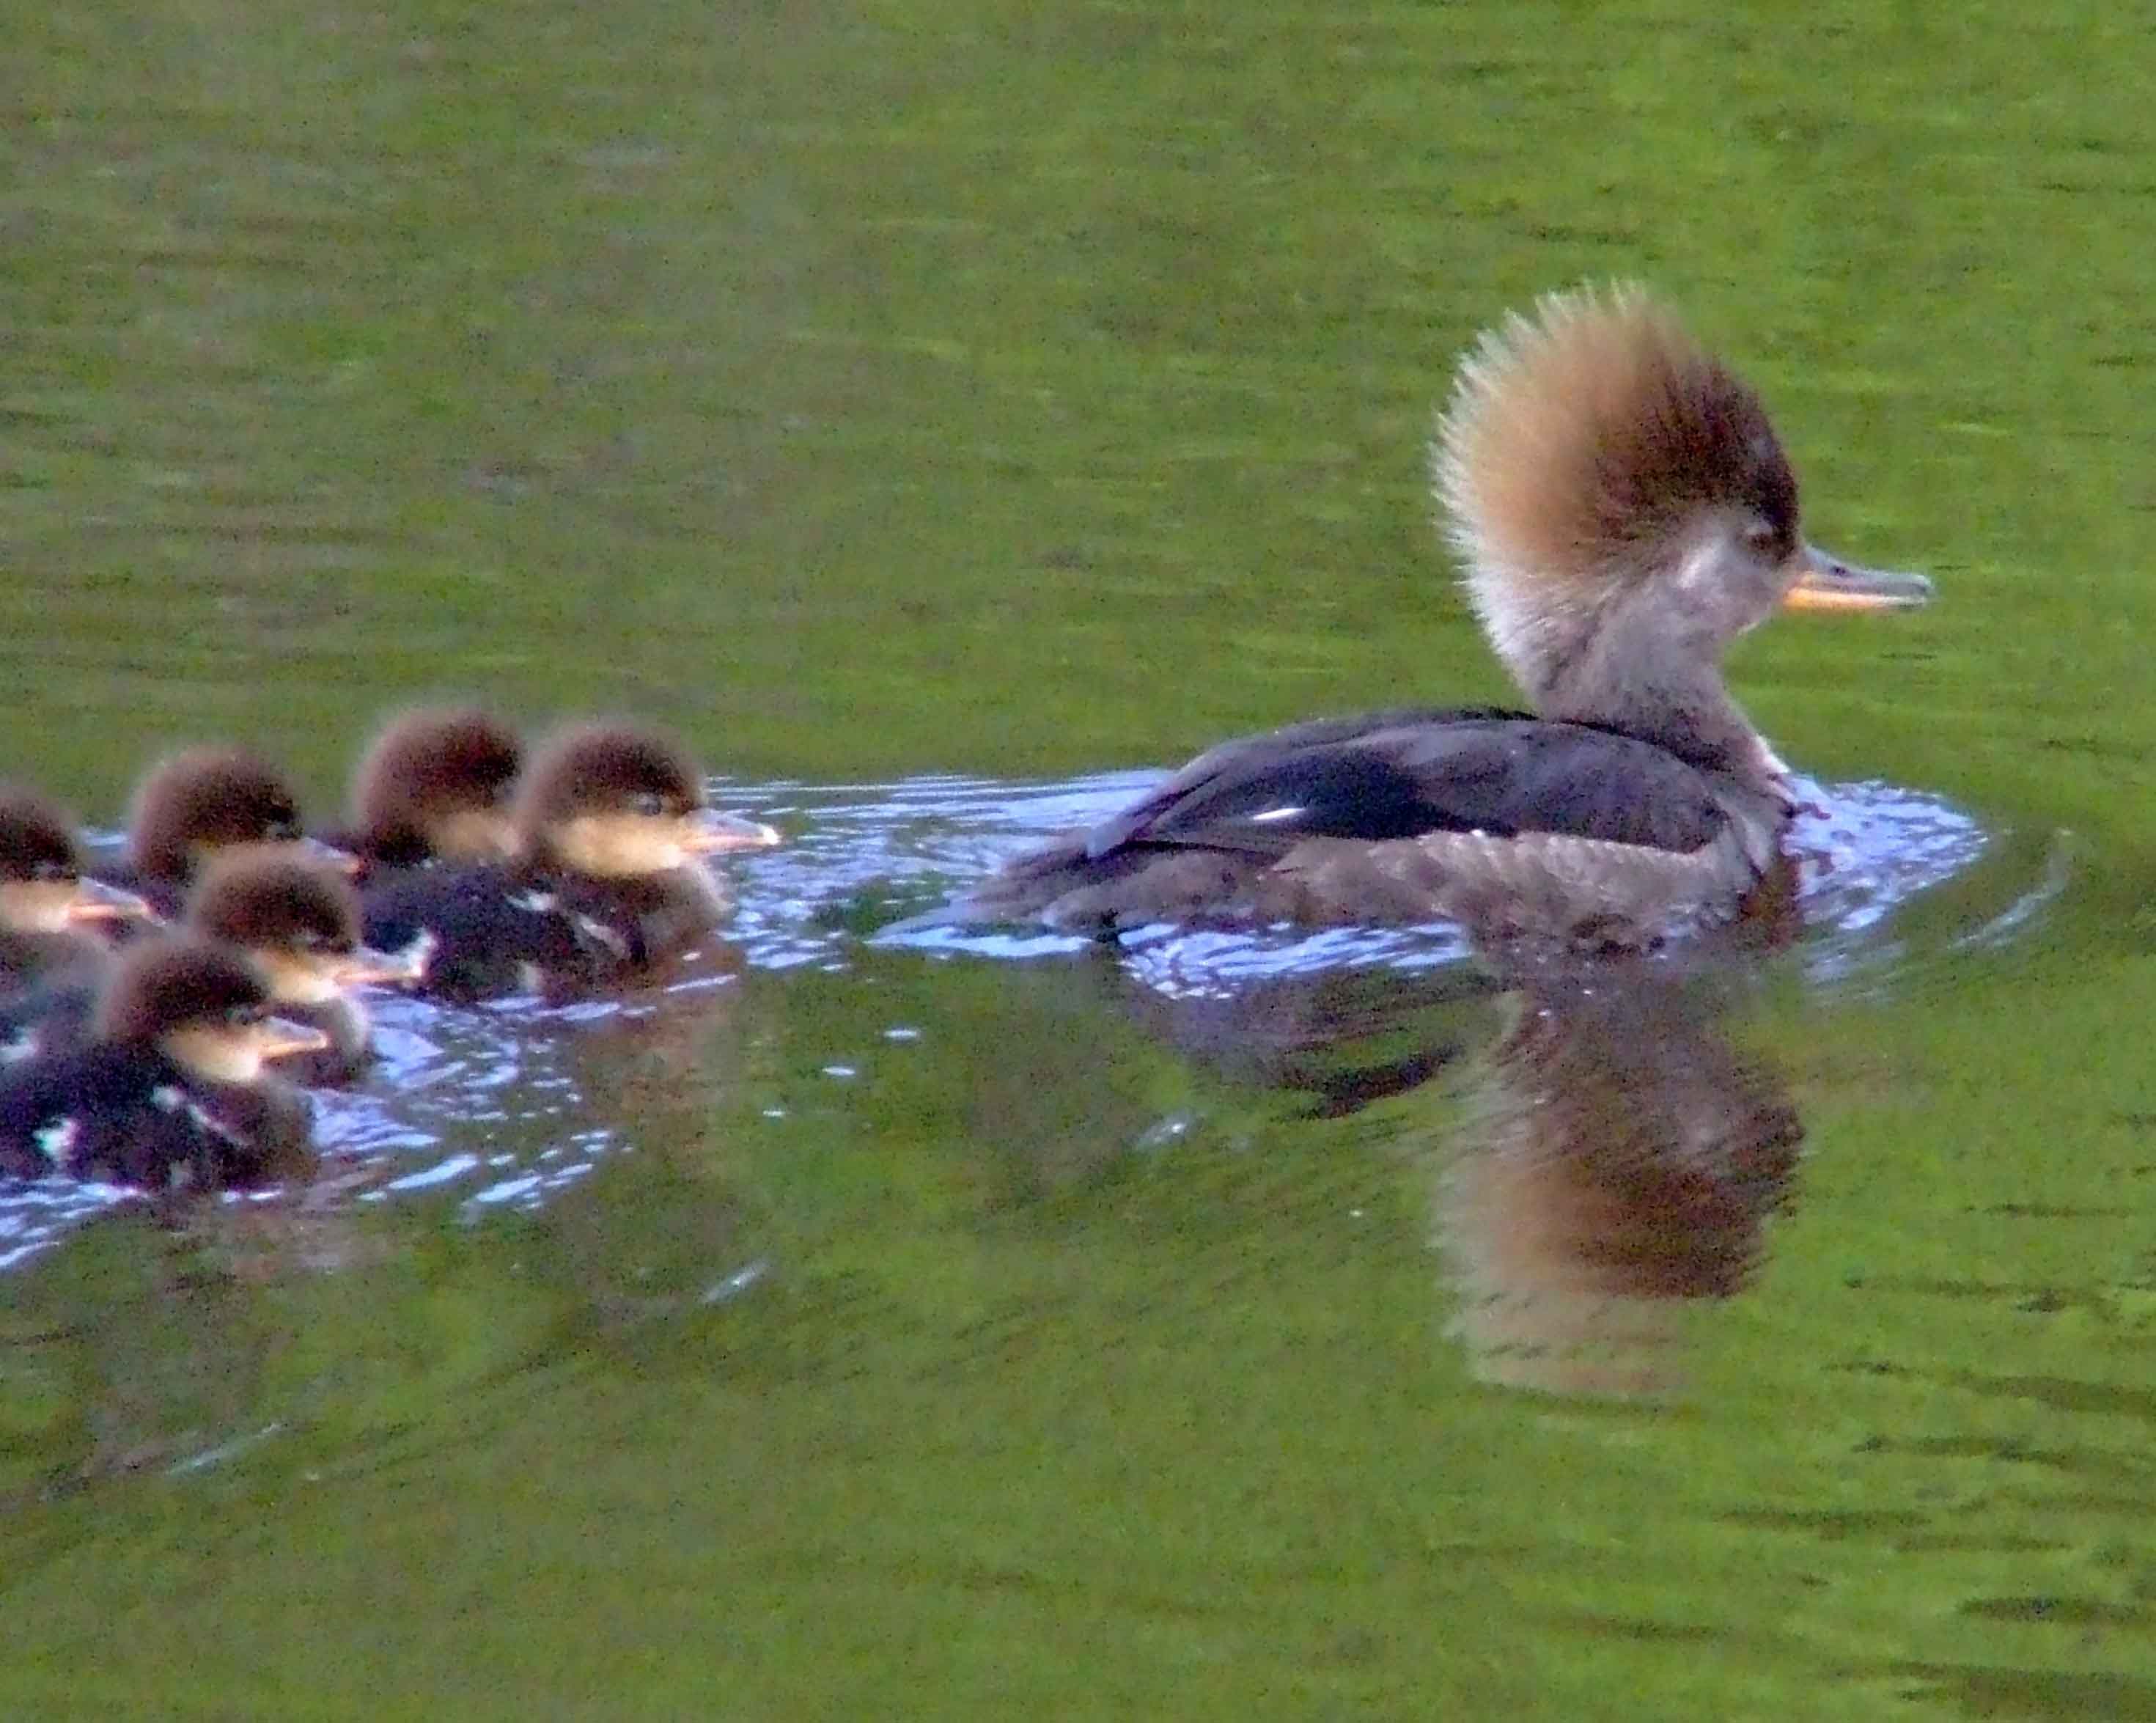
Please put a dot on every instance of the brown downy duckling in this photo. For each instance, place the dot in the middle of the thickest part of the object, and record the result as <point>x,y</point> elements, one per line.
<point>46,901</point>
<point>612,832</point>
<point>296,921</point>
<point>170,1091</point>
<point>196,803</point>
<point>435,785</point>
<point>1625,510</point>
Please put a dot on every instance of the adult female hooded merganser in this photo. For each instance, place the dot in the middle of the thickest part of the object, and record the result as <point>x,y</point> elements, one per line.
<point>194,804</point>
<point>168,1092</point>
<point>435,785</point>
<point>1625,510</point>
<point>295,921</point>
<point>608,878</point>
<point>45,901</point>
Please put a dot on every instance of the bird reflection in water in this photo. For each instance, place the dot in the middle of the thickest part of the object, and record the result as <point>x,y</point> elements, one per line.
<point>1604,1153</point>
<point>1336,1040</point>
<point>1617,1156</point>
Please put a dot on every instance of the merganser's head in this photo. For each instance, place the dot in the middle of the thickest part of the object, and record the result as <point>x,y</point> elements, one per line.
<point>296,920</point>
<point>195,803</point>
<point>1625,511</point>
<point>42,889</point>
<point>200,1005</point>
<point>620,801</point>
<point>436,783</point>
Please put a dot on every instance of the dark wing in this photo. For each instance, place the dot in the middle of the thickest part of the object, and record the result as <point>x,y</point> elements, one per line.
<point>255,1131</point>
<point>488,931</point>
<point>1401,774</point>
<point>1245,758</point>
<point>46,1017</point>
<point>99,1112</point>
<point>629,923</point>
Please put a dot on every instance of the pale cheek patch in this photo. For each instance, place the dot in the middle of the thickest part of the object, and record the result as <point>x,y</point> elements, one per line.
<point>220,1055</point>
<point>294,979</point>
<point>36,905</point>
<point>475,834</point>
<point>622,845</point>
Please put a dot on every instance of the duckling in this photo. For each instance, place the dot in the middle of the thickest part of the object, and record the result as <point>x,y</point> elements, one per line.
<point>1625,510</point>
<point>46,901</point>
<point>295,920</point>
<point>435,785</point>
<point>195,803</point>
<point>608,879</point>
<point>170,1091</point>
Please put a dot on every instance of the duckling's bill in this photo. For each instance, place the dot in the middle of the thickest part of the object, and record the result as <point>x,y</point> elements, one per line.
<point>477,835</point>
<point>367,966</point>
<point>236,1052</point>
<point>279,1037</point>
<point>94,900</point>
<point>709,832</point>
<point>1825,582</point>
<point>315,849</point>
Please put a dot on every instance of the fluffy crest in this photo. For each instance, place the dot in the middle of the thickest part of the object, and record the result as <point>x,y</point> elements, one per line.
<point>603,767</point>
<point>428,763</point>
<point>36,841</point>
<point>267,895</point>
<point>207,797</point>
<point>171,980</point>
<point>1580,448</point>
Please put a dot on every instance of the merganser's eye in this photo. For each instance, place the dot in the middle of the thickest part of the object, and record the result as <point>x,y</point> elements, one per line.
<point>244,1017</point>
<point>285,830</point>
<point>649,805</point>
<point>52,869</point>
<point>1760,539</point>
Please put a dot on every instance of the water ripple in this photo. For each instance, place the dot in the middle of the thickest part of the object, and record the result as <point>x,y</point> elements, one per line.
<point>493,1105</point>
<point>1863,851</point>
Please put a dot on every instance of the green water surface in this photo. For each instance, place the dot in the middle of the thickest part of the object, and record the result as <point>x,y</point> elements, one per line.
<point>872,389</point>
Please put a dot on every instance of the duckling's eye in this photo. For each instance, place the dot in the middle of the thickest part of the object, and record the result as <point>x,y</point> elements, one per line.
<point>285,830</point>
<point>311,939</point>
<point>1760,539</point>
<point>51,870</point>
<point>649,805</point>
<point>244,1017</point>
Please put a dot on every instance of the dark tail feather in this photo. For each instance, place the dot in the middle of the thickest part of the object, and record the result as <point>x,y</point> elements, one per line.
<point>1060,886</point>
<point>1024,889</point>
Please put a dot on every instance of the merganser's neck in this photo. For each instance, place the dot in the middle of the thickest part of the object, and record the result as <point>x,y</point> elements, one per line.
<point>1635,673</point>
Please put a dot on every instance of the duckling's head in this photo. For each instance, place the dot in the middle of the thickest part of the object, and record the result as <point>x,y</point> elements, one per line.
<point>42,887</point>
<point>201,1005</point>
<point>203,799</point>
<point>295,919</point>
<point>1624,507</point>
<point>620,801</point>
<point>437,781</point>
